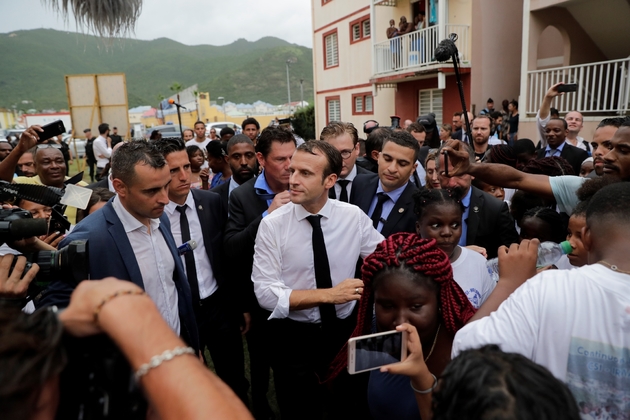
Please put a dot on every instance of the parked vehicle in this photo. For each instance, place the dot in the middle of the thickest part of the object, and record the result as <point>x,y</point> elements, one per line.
<point>169,130</point>
<point>80,145</point>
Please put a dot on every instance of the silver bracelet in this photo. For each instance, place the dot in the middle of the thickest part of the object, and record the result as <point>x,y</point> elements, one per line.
<point>428,390</point>
<point>161,358</point>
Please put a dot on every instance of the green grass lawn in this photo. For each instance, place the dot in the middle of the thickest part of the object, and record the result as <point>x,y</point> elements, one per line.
<point>74,169</point>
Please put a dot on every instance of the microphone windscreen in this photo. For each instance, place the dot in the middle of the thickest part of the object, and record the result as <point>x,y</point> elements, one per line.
<point>26,228</point>
<point>444,50</point>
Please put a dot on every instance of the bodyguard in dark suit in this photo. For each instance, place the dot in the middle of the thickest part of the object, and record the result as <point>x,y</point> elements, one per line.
<point>388,197</point>
<point>486,221</point>
<point>123,235</point>
<point>241,156</point>
<point>249,203</point>
<point>198,215</point>
<point>344,137</point>
<point>556,132</point>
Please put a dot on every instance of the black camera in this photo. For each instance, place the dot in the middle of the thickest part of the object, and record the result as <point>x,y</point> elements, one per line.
<point>70,263</point>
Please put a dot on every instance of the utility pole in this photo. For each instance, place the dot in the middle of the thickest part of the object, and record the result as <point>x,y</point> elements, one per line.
<point>301,92</point>
<point>289,86</point>
<point>223,107</point>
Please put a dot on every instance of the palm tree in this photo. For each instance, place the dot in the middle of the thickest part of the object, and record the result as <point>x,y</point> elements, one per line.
<point>176,87</point>
<point>196,93</point>
<point>107,18</point>
<point>160,99</point>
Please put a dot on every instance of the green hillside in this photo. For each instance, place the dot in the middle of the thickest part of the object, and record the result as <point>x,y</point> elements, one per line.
<point>33,65</point>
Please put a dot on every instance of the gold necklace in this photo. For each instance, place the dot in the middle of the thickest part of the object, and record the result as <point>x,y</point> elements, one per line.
<point>434,341</point>
<point>613,267</point>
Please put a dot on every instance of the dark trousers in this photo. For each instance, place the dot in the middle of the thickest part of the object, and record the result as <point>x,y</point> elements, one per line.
<point>258,346</point>
<point>99,173</point>
<point>301,354</point>
<point>91,165</point>
<point>219,330</point>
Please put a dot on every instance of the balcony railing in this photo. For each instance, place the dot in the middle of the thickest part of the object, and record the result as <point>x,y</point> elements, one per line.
<point>603,87</point>
<point>416,50</point>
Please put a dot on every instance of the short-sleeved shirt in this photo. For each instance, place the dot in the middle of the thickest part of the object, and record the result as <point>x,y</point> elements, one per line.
<point>564,189</point>
<point>471,273</point>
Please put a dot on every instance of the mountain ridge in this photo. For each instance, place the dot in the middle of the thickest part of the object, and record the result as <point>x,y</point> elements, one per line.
<point>33,64</point>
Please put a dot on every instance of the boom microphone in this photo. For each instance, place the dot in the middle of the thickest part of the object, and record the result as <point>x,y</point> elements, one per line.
<point>446,48</point>
<point>172,102</point>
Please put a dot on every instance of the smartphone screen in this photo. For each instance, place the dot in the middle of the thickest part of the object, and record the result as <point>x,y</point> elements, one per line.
<point>373,351</point>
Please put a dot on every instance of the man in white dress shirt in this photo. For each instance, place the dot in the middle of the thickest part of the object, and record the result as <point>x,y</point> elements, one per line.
<point>102,150</point>
<point>299,248</point>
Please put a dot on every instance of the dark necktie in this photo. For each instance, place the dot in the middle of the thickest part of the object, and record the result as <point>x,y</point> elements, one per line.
<point>343,196</point>
<point>322,269</point>
<point>378,210</point>
<point>191,267</point>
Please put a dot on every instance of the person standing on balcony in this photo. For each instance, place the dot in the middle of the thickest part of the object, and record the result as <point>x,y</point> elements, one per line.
<point>404,27</point>
<point>574,121</point>
<point>394,43</point>
<point>418,43</point>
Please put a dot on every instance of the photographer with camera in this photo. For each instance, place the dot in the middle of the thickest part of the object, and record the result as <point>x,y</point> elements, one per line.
<point>33,355</point>
<point>50,166</point>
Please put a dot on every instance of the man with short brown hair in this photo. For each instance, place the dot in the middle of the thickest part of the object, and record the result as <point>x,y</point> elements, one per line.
<point>344,137</point>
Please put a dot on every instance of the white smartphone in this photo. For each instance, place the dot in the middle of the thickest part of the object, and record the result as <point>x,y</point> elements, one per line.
<point>370,352</point>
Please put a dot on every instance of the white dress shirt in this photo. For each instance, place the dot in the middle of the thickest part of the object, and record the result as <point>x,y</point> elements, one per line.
<point>205,276</point>
<point>350,177</point>
<point>233,185</point>
<point>155,261</point>
<point>101,149</point>
<point>283,257</point>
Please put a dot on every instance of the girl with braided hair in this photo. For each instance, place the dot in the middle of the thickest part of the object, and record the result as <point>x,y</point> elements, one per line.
<point>408,280</point>
<point>439,215</point>
<point>544,224</point>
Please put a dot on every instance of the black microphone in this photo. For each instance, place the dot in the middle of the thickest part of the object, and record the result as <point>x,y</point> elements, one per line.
<point>24,228</point>
<point>446,48</point>
<point>172,102</point>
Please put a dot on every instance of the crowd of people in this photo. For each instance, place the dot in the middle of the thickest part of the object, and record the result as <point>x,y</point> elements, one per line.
<point>299,246</point>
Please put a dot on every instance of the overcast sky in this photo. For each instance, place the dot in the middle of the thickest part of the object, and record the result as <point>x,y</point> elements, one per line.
<point>190,22</point>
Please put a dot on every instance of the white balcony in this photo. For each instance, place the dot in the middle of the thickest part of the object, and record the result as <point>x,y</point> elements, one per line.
<point>415,51</point>
<point>603,87</point>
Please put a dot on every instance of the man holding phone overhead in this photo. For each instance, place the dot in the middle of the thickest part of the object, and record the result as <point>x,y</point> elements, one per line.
<point>574,119</point>
<point>304,263</point>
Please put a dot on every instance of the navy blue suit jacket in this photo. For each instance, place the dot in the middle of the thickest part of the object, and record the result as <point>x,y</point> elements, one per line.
<point>402,217</point>
<point>111,255</point>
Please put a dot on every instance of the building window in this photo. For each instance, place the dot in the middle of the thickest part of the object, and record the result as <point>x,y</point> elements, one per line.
<point>333,109</point>
<point>430,100</point>
<point>356,32</point>
<point>360,29</point>
<point>362,103</point>
<point>331,50</point>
